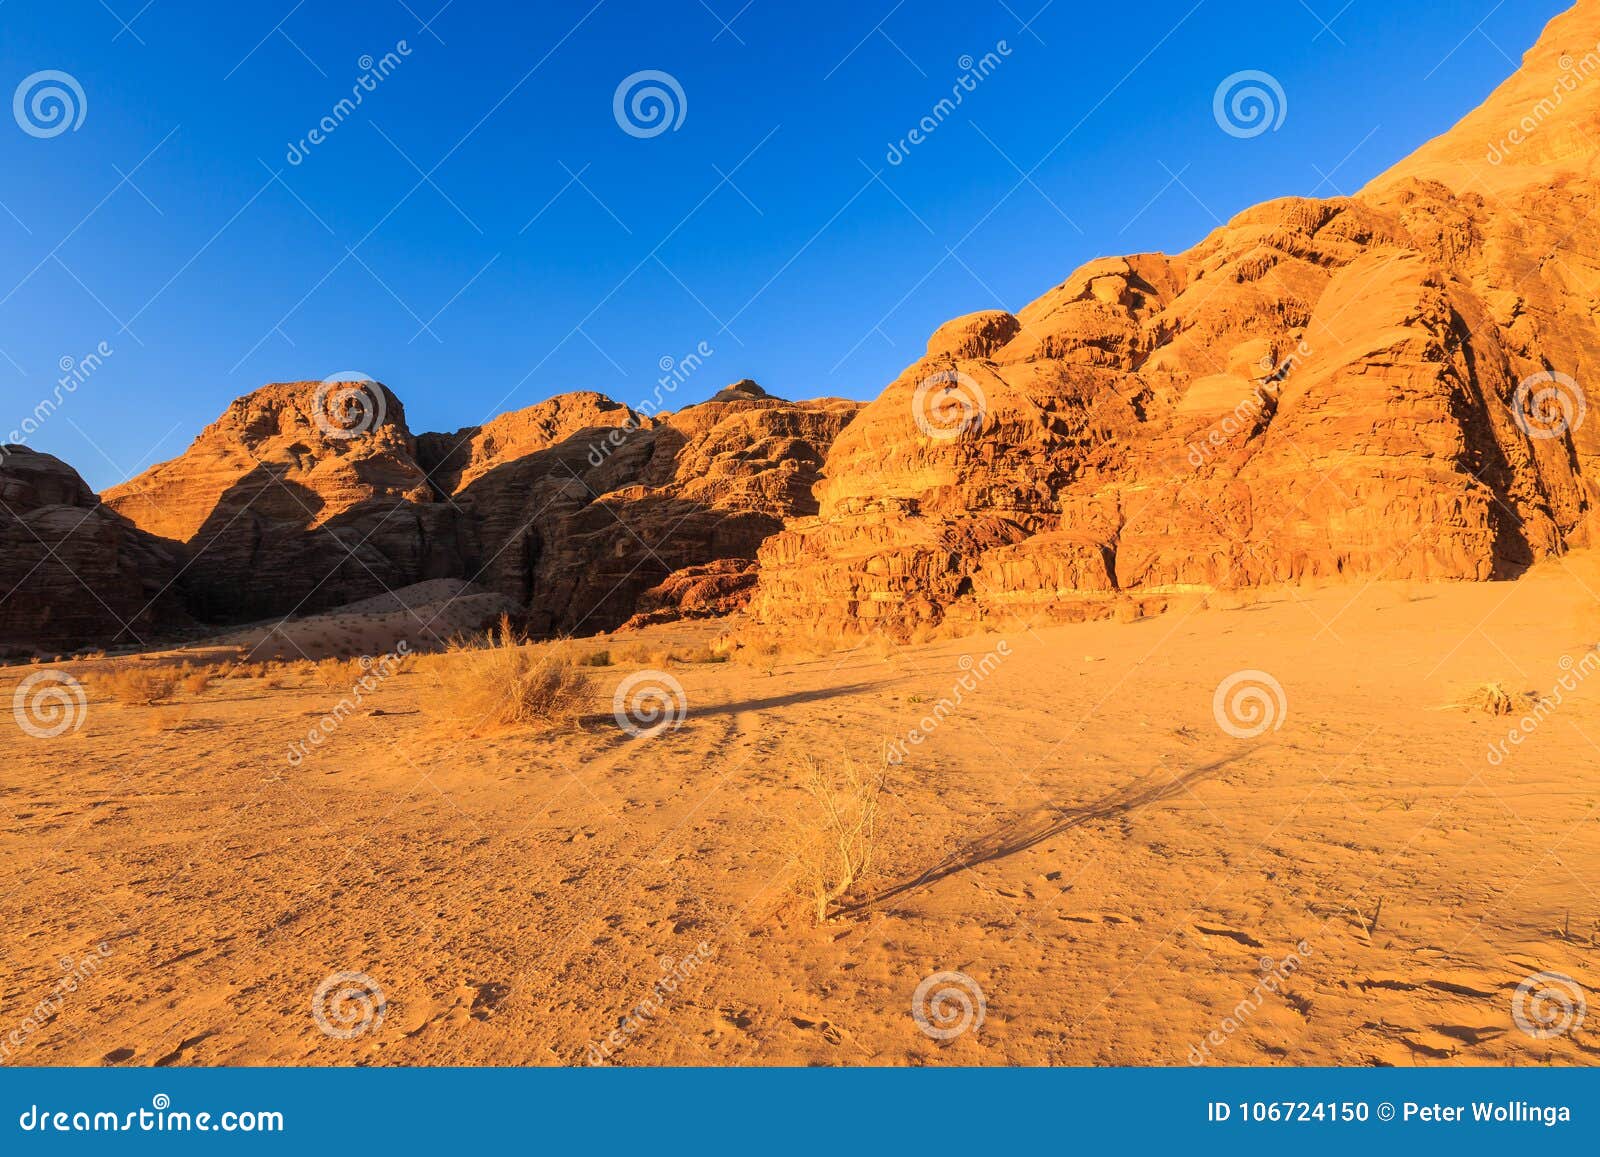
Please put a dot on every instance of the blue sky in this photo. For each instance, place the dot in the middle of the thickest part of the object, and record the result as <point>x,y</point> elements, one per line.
<point>481,232</point>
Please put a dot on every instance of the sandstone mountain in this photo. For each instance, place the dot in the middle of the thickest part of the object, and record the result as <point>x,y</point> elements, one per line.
<point>1384,385</point>
<point>298,500</point>
<point>74,573</point>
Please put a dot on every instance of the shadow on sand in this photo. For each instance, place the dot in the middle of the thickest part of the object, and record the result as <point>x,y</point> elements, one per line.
<point>1026,829</point>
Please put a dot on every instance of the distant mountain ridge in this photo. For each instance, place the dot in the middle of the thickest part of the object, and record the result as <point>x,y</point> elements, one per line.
<point>577,508</point>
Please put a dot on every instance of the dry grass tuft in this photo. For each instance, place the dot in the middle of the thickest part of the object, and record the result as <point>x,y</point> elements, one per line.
<point>1494,699</point>
<point>141,685</point>
<point>166,719</point>
<point>834,835</point>
<point>506,683</point>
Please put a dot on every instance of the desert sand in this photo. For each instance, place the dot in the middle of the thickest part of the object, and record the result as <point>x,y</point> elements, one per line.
<point>1080,839</point>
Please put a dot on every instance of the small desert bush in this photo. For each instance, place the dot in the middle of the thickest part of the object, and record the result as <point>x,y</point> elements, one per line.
<point>139,684</point>
<point>339,674</point>
<point>834,835</point>
<point>165,719</point>
<point>1494,699</point>
<point>507,683</point>
<point>597,659</point>
<point>700,655</point>
<point>194,680</point>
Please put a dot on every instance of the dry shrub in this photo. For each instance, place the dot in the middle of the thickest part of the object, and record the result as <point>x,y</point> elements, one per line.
<point>507,683</point>
<point>194,680</point>
<point>834,835</point>
<point>339,674</point>
<point>139,684</point>
<point>700,655</point>
<point>165,719</point>
<point>1494,699</point>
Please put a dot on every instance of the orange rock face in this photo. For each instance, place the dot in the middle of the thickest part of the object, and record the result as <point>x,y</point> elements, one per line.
<point>1385,385</point>
<point>301,498</point>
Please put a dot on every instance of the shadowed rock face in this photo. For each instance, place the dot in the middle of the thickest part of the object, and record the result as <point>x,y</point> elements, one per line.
<point>573,507</point>
<point>577,506</point>
<point>72,571</point>
<point>1320,388</point>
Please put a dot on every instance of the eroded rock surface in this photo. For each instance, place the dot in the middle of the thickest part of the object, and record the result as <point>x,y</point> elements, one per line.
<point>73,572</point>
<point>1386,385</point>
<point>573,507</point>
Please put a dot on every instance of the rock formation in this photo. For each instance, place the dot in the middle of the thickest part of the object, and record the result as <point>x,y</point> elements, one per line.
<point>74,573</point>
<point>306,496</point>
<point>1387,385</point>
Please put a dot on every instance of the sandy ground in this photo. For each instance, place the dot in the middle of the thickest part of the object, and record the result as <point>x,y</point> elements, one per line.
<point>1079,839</point>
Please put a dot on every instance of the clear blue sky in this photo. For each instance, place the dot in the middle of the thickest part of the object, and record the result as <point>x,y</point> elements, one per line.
<point>207,276</point>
